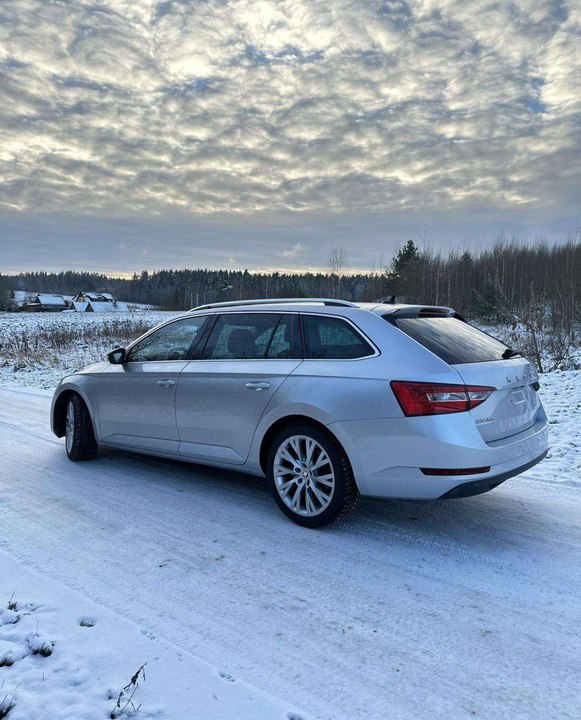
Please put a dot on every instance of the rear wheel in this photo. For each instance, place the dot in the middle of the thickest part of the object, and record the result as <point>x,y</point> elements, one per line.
<point>80,440</point>
<point>310,475</point>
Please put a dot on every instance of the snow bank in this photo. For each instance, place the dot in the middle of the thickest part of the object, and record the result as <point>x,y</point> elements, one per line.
<point>561,396</point>
<point>64,657</point>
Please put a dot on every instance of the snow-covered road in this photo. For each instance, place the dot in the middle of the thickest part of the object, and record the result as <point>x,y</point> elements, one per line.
<point>450,609</point>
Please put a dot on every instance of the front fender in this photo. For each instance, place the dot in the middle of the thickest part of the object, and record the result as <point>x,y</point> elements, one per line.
<point>84,386</point>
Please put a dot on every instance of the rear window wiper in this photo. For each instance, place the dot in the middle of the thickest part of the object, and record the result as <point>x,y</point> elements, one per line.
<point>509,352</point>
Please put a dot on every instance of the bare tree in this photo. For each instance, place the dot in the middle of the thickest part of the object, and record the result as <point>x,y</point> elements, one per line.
<point>336,267</point>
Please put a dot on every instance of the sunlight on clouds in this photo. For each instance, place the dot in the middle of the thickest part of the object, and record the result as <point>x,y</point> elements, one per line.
<point>252,105</point>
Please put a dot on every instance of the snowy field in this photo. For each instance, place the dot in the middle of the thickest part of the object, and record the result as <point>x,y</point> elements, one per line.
<point>37,349</point>
<point>441,610</point>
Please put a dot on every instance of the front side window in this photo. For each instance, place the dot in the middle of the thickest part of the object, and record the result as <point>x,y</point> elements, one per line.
<point>171,342</point>
<point>252,336</point>
<point>330,338</point>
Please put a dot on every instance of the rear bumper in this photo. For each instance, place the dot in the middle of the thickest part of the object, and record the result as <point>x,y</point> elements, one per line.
<point>477,487</point>
<point>387,455</point>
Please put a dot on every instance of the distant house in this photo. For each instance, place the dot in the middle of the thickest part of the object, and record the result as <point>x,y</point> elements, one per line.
<point>84,297</point>
<point>101,306</point>
<point>97,302</point>
<point>81,302</point>
<point>43,302</point>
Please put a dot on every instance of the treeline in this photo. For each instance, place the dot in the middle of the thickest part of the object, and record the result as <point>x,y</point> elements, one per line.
<point>509,275</point>
<point>484,284</point>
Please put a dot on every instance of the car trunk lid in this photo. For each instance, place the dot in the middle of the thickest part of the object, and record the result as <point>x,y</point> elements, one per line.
<point>513,406</point>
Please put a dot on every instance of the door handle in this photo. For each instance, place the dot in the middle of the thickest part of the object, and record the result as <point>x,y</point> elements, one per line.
<point>166,383</point>
<point>258,386</point>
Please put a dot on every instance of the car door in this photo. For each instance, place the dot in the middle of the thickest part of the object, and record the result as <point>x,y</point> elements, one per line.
<point>137,399</point>
<point>221,396</point>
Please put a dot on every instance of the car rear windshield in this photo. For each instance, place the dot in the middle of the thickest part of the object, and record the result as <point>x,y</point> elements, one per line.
<point>453,340</point>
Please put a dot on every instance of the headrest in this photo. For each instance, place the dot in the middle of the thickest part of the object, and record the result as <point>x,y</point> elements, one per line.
<point>241,344</point>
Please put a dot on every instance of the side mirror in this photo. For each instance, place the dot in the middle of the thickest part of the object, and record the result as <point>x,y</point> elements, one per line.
<point>117,356</point>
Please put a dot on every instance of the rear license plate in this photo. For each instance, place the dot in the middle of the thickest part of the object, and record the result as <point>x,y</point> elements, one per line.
<point>518,397</point>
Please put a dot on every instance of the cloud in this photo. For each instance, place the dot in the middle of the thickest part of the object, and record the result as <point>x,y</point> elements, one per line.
<point>248,106</point>
<point>296,250</point>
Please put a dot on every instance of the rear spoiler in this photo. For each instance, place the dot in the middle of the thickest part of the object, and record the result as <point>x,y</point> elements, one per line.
<point>417,311</point>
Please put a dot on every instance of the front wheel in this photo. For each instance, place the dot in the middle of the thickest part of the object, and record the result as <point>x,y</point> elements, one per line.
<point>310,475</point>
<point>80,440</point>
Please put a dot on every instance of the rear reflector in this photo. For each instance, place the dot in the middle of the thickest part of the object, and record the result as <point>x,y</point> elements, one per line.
<point>455,471</point>
<point>419,398</point>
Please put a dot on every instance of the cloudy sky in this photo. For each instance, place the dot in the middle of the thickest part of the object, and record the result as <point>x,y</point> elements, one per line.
<point>259,133</point>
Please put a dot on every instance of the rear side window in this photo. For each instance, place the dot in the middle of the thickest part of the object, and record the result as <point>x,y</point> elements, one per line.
<point>252,336</point>
<point>329,338</point>
<point>452,340</point>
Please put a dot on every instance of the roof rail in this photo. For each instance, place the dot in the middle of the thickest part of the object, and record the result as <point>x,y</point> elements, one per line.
<point>276,301</point>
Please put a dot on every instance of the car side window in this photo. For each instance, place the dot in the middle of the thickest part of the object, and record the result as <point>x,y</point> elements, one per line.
<point>330,338</point>
<point>242,336</point>
<point>170,342</point>
<point>286,341</point>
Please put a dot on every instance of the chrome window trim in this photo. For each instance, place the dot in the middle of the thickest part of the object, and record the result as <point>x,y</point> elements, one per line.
<point>358,330</point>
<point>245,310</point>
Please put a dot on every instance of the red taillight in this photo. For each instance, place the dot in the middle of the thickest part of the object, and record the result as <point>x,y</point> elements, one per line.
<point>419,398</point>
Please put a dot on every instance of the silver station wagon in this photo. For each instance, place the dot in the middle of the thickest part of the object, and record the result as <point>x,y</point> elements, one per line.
<point>328,399</point>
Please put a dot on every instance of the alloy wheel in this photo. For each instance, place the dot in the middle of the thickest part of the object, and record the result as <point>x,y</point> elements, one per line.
<point>304,476</point>
<point>70,426</point>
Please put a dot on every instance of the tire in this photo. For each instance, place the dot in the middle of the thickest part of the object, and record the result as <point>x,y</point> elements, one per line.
<point>310,476</point>
<point>80,442</point>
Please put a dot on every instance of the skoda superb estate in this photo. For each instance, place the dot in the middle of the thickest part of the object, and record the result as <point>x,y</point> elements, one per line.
<point>329,399</point>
